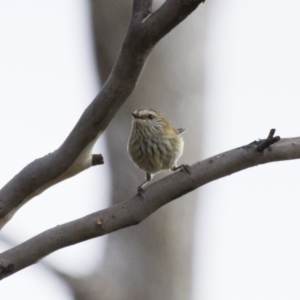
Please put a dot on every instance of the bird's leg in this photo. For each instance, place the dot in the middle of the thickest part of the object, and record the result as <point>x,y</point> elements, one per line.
<point>182,167</point>
<point>140,189</point>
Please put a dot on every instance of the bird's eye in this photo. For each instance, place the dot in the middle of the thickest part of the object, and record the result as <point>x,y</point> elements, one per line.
<point>151,117</point>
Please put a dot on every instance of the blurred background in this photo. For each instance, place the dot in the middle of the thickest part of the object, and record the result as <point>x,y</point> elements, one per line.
<point>229,73</point>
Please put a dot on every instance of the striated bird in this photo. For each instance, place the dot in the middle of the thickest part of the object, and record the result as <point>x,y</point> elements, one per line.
<point>154,144</point>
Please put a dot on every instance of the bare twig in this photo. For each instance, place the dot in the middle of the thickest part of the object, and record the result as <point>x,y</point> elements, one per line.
<point>97,159</point>
<point>270,140</point>
<point>136,209</point>
<point>75,154</point>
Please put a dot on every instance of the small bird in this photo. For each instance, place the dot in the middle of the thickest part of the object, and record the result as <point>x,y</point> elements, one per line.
<point>154,144</point>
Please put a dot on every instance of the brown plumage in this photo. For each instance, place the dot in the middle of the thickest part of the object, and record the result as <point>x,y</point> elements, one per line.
<point>154,144</point>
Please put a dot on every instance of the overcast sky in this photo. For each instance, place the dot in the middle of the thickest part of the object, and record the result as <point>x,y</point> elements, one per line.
<point>248,224</point>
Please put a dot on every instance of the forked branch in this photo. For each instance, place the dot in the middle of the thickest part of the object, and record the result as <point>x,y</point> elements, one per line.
<point>75,154</point>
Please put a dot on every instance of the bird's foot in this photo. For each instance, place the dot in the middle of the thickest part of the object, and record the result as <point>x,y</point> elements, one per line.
<point>185,168</point>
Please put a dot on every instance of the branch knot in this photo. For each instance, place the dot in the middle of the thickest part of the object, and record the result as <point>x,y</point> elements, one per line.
<point>264,144</point>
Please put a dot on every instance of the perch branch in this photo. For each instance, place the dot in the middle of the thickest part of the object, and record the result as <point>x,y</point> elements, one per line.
<point>136,209</point>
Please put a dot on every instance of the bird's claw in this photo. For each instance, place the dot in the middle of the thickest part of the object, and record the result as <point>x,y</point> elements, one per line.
<point>186,168</point>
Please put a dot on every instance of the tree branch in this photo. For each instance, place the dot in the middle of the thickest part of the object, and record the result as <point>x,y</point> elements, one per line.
<point>141,9</point>
<point>74,155</point>
<point>270,140</point>
<point>136,209</point>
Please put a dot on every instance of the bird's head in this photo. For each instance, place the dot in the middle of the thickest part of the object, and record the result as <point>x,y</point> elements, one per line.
<point>147,117</point>
<point>150,120</point>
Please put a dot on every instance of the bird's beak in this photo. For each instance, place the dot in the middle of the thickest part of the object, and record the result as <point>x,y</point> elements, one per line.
<point>136,116</point>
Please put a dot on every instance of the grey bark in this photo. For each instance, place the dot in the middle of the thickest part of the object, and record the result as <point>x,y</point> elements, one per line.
<point>136,209</point>
<point>75,154</point>
<point>160,266</point>
<point>152,260</point>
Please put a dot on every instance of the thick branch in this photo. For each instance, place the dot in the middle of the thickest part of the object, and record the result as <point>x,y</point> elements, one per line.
<point>136,209</point>
<point>74,155</point>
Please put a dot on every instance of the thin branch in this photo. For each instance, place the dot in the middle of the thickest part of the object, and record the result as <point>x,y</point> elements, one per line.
<point>97,159</point>
<point>270,140</point>
<point>75,154</point>
<point>136,209</point>
<point>48,266</point>
<point>170,14</point>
